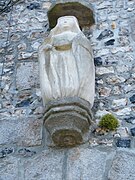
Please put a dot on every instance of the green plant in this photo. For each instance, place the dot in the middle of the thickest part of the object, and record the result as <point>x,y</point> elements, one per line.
<point>109,122</point>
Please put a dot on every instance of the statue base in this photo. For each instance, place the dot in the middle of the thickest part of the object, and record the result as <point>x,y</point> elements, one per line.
<point>67,120</point>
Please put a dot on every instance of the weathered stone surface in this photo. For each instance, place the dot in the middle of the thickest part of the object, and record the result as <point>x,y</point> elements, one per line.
<point>5,151</point>
<point>101,113</point>
<point>132,99</point>
<point>115,79</point>
<point>48,166</point>
<point>86,164</point>
<point>24,55</point>
<point>27,75</point>
<point>102,52</point>
<point>132,28</point>
<point>23,132</point>
<point>26,152</point>
<point>123,142</point>
<point>123,166</point>
<point>46,5</point>
<point>33,5</point>
<point>104,91</point>
<point>104,70</point>
<point>123,132</point>
<point>98,61</point>
<point>132,130</point>
<point>119,102</point>
<point>110,42</point>
<point>106,33</point>
<point>130,119</point>
<point>123,112</point>
<point>9,168</point>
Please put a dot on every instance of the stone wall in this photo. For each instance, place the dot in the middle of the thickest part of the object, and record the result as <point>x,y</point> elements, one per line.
<point>24,149</point>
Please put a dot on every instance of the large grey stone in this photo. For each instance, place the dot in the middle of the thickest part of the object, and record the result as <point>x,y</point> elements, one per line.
<point>27,75</point>
<point>123,166</point>
<point>45,166</point>
<point>9,168</point>
<point>86,164</point>
<point>132,23</point>
<point>23,132</point>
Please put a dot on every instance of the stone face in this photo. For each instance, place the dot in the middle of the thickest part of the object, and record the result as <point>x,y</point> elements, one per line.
<point>9,168</point>
<point>47,165</point>
<point>123,166</point>
<point>23,132</point>
<point>86,164</point>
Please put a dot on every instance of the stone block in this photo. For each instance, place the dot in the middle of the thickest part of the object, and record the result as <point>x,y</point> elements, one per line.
<point>123,143</point>
<point>23,132</point>
<point>27,75</point>
<point>132,23</point>
<point>119,102</point>
<point>9,168</point>
<point>104,70</point>
<point>123,112</point>
<point>47,166</point>
<point>67,120</point>
<point>86,164</point>
<point>123,166</point>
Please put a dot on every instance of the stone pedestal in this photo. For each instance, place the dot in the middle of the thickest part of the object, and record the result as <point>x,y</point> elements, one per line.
<point>67,120</point>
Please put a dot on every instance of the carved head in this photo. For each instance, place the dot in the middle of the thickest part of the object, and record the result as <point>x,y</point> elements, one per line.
<point>66,23</point>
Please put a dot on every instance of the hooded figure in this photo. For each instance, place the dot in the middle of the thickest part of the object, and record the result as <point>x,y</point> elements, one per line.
<point>66,63</point>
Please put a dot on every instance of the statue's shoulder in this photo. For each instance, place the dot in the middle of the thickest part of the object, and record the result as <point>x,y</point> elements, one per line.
<point>81,38</point>
<point>81,41</point>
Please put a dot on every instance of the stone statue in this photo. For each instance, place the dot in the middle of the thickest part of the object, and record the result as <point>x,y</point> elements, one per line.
<point>66,64</point>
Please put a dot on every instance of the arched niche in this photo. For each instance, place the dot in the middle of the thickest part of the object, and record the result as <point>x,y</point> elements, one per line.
<point>81,10</point>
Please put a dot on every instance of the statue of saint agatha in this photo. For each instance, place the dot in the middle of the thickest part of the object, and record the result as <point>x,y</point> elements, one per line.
<point>66,70</point>
<point>66,63</point>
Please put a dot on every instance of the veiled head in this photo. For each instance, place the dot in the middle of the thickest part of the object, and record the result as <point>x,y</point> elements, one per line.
<point>66,23</point>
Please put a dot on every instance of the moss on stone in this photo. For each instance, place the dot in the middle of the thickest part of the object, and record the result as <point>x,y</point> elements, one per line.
<point>109,122</point>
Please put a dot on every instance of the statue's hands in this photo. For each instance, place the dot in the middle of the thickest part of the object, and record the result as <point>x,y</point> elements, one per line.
<point>47,47</point>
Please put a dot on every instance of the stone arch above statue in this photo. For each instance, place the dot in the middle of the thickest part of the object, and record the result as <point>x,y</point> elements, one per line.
<point>82,10</point>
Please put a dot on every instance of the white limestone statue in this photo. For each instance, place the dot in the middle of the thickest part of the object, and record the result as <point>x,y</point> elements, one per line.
<point>66,63</point>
